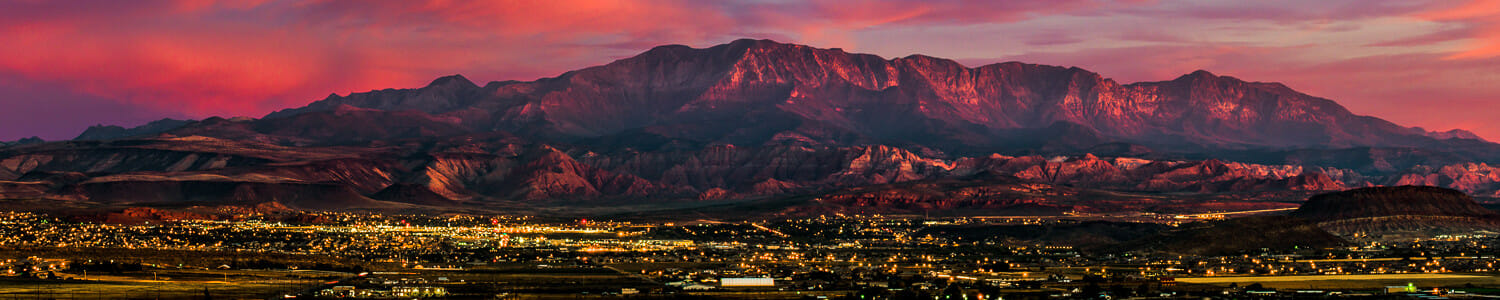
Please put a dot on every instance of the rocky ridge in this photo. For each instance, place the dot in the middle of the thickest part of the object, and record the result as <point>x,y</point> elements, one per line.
<point>757,119</point>
<point>1391,211</point>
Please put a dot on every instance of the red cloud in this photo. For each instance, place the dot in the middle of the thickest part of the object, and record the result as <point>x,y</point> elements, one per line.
<point>204,57</point>
<point>1484,16</point>
<point>250,57</point>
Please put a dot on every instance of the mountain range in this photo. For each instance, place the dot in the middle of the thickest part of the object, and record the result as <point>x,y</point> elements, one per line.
<point>787,127</point>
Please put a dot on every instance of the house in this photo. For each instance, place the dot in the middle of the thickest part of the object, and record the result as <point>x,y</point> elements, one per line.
<point>698,287</point>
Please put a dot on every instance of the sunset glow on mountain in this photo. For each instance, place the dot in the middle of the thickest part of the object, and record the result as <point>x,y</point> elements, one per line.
<point>80,63</point>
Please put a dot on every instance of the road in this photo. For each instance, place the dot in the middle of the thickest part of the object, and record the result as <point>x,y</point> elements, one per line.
<point>1243,212</point>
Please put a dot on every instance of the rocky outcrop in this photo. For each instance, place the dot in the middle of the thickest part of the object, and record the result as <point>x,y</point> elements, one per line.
<point>757,92</point>
<point>551,174</point>
<point>756,119</point>
<point>1475,178</point>
<point>108,132</point>
<point>1391,201</point>
<point>484,170</point>
<point>1385,212</point>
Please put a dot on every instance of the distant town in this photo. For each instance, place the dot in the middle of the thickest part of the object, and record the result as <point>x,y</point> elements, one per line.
<point>354,255</point>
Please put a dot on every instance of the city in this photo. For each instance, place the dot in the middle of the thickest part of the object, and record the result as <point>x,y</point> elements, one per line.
<point>749,149</point>
<point>882,257</point>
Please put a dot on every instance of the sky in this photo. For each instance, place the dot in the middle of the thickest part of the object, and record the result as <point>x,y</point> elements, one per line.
<point>67,65</point>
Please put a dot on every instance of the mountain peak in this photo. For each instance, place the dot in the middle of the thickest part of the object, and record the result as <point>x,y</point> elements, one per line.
<point>23,141</point>
<point>750,43</point>
<point>453,80</point>
<point>1197,75</point>
<point>767,48</point>
<point>1450,134</point>
<point>765,90</point>
<point>106,132</point>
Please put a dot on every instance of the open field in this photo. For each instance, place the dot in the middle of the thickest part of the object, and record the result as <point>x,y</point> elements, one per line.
<point>518,280</point>
<point>1263,279</point>
<point>1356,281</point>
<point>1375,259</point>
<point>163,284</point>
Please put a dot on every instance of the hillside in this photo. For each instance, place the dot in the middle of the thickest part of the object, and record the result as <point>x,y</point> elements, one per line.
<point>1248,235</point>
<point>759,92</point>
<point>1391,211</point>
<point>754,120</point>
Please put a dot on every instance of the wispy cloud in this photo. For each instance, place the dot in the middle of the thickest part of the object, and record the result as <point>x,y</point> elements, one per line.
<point>207,57</point>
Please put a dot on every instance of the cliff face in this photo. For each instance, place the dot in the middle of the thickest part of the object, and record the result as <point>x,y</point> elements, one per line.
<point>1391,201</point>
<point>756,119</point>
<point>1476,178</point>
<point>752,92</point>
<point>489,170</point>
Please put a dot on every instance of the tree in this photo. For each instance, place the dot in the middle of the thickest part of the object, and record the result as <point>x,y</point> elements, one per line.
<point>1092,290</point>
<point>907,294</point>
<point>1255,287</point>
<point>872,293</point>
<point>896,282</point>
<point>953,292</point>
<point>1119,291</point>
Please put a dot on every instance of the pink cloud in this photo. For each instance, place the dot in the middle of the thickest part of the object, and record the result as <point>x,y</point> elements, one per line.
<point>208,57</point>
<point>250,57</point>
<point>205,57</point>
<point>1483,16</point>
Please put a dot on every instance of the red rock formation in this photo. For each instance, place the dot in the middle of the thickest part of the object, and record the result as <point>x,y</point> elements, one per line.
<point>756,119</point>
<point>759,91</point>
<point>714,194</point>
<point>1475,178</point>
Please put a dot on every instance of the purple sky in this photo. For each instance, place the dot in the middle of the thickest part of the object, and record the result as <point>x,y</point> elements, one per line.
<point>71,64</point>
